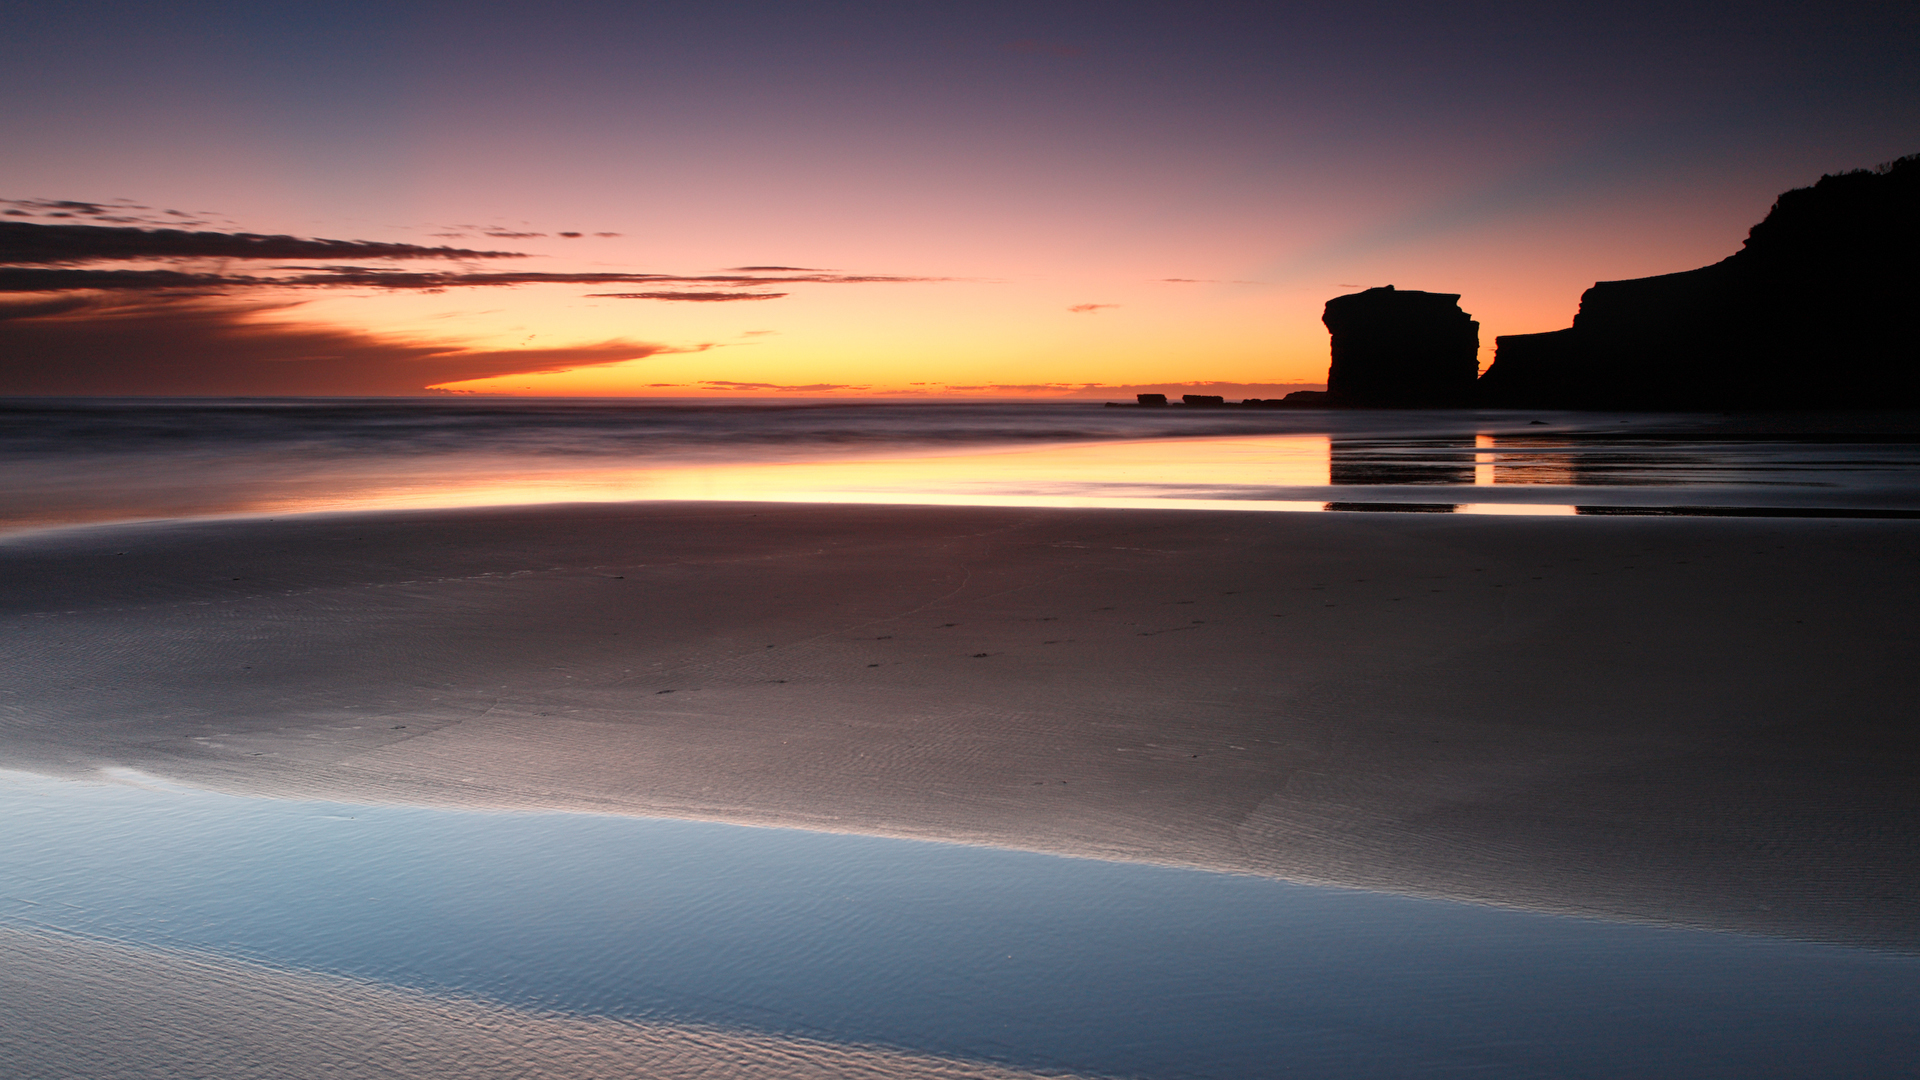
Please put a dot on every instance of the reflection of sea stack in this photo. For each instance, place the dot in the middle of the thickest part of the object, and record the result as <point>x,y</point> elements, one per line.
<point>1401,347</point>
<point>1815,310</point>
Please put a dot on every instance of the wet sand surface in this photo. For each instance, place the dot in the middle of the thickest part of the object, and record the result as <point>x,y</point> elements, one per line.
<point>85,1008</point>
<point>1700,721</point>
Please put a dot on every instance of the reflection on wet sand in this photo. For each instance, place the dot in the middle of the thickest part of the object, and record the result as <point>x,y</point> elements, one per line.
<point>1193,472</point>
<point>1489,459</point>
<point>1565,459</point>
<point>1286,472</point>
<point>1401,461</point>
<point>1518,459</point>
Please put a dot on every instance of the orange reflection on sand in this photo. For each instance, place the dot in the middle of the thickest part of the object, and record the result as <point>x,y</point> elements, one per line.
<point>1483,460</point>
<point>1523,459</point>
<point>1147,473</point>
<point>1526,509</point>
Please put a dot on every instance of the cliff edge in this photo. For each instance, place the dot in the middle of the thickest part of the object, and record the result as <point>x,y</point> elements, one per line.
<point>1815,310</point>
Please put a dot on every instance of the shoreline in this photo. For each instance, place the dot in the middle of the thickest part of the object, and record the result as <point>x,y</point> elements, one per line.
<point>1696,721</point>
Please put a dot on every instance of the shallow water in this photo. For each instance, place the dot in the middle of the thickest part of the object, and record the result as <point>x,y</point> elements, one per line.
<point>75,461</point>
<point>1034,961</point>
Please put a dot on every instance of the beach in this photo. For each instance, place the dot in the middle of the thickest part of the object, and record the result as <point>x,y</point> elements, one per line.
<point>1696,721</point>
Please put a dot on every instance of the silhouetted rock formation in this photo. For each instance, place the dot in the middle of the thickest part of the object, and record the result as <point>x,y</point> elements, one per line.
<point>1309,398</point>
<point>1208,401</point>
<point>1815,310</point>
<point>1401,347</point>
<point>1151,399</point>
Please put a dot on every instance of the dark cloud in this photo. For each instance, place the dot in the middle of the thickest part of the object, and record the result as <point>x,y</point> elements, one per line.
<point>34,244</point>
<point>515,235</point>
<point>39,276</point>
<point>1083,309</point>
<point>214,346</point>
<point>571,235</point>
<point>372,277</point>
<point>22,279</point>
<point>105,329</point>
<point>19,280</point>
<point>608,234</point>
<point>37,257</point>
<point>699,297</point>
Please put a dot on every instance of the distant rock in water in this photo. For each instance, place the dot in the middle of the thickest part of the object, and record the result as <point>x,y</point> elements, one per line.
<point>1401,347</point>
<point>1816,310</point>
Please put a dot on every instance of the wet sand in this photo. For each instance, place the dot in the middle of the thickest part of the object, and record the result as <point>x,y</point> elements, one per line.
<point>103,1011</point>
<point>1700,721</point>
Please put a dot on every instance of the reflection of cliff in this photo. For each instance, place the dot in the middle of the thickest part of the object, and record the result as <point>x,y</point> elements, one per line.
<point>1815,310</point>
<point>1639,461</point>
<point>1510,459</point>
<point>1524,459</point>
<point>1401,461</point>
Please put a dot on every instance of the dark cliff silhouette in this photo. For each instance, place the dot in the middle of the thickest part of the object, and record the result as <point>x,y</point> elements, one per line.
<point>1400,348</point>
<point>1815,310</point>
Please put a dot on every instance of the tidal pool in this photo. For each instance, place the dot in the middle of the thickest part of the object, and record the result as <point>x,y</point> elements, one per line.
<point>1032,961</point>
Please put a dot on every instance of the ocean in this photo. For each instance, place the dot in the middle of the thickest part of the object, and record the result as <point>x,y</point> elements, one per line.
<point>74,461</point>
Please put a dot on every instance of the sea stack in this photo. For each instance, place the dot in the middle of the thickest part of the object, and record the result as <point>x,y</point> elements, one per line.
<point>1401,347</point>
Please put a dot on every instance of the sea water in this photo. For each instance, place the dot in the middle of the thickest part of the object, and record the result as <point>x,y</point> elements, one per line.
<point>69,461</point>
<point>1034,961</point>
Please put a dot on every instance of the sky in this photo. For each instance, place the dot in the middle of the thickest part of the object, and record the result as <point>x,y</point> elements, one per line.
<point>743,199</point>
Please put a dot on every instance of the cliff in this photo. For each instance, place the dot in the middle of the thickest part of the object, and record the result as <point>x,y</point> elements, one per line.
<point>1815,310</point>
<point>1401,348</point>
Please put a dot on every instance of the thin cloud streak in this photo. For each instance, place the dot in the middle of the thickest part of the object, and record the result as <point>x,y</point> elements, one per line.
<point>116,212</point>
<point>30,243</point>
<point>808,388</point>
<point>697,297</point>
<point>21,279</point>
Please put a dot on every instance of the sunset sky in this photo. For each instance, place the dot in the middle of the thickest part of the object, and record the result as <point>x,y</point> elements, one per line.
<point>865,198</point>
